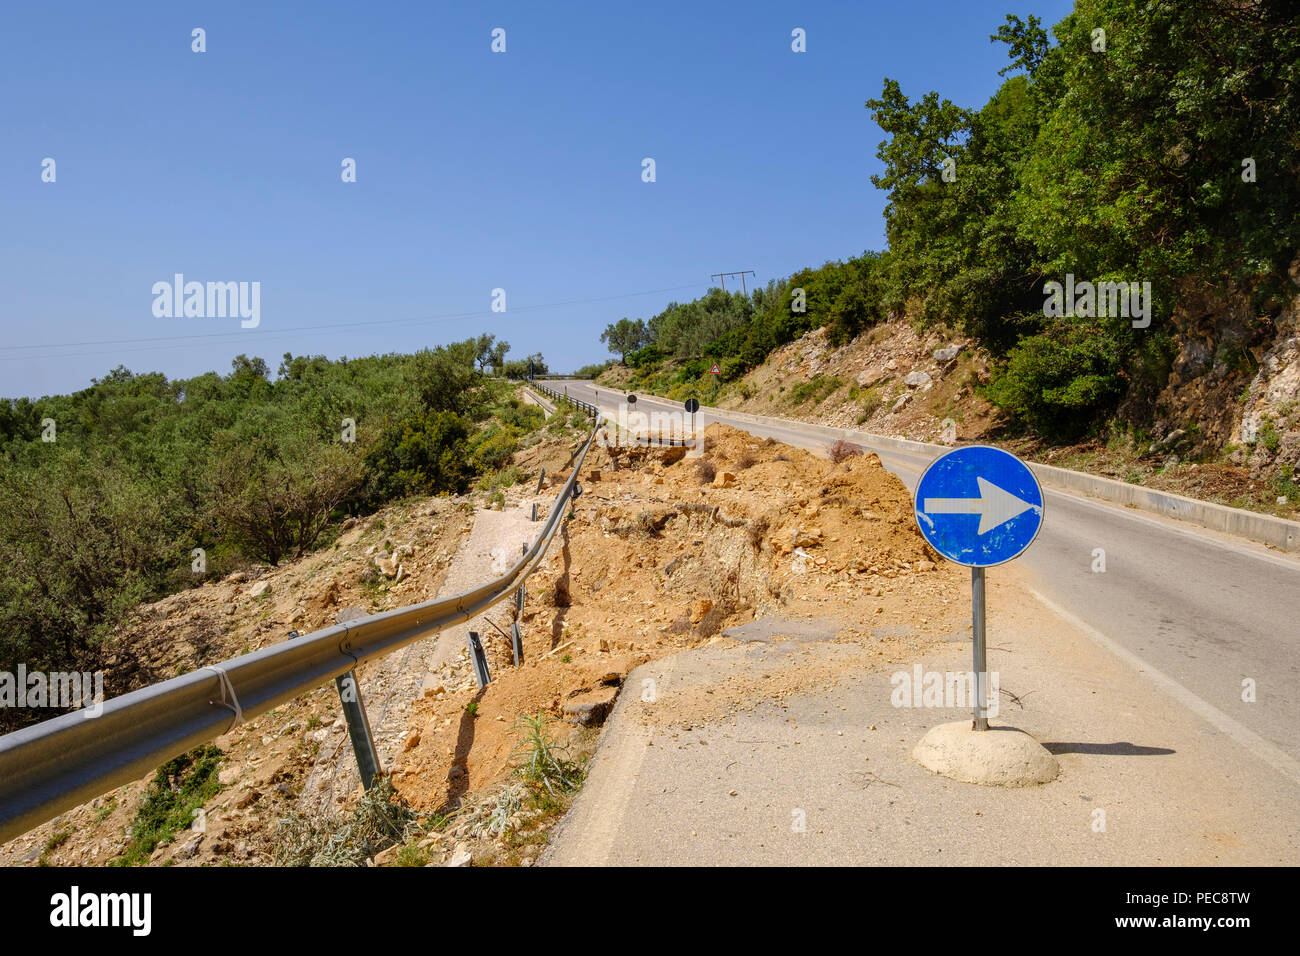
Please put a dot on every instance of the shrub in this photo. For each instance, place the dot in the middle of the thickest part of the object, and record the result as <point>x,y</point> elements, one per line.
<point>491,448</point>
<point>842,450</point>
<point>79,544</point>
<point>593,371</point>
<point>818,389</point>
<point>510,476</point>
<point>645,357</point>
<point>380,819</point>
<point>274,498</point>
<point>523,418</point>
<point>1060,382</point>
<point>424,454</point>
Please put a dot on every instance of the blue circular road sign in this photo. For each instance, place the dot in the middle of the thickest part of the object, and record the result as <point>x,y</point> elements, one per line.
<point>979,506</point>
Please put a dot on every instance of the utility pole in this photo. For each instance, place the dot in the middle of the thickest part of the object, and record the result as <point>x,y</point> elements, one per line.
<point>721,277</point>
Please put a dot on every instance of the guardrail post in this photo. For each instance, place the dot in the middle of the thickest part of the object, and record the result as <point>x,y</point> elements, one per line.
<point>363,741</point>
<point>517,643</point>
<point>540,478</point>
<point>478,659</point>
<point>534,510</point>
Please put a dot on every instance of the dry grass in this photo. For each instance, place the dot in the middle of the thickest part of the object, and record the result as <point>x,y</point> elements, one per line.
<point>842,450</point>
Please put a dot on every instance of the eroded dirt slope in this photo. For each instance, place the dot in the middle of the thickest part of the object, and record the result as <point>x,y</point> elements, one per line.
<point>666,552</point>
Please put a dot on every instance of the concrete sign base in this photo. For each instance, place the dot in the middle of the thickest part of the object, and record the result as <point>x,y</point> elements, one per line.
<point>997,757</point>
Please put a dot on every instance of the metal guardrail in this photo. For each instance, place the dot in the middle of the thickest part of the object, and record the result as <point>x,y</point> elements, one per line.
<point>63,762</point>
<point>646,440</point>
<point>587,407</point>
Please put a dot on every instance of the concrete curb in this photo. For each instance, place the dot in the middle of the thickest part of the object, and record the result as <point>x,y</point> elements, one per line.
<point>1276,532</point>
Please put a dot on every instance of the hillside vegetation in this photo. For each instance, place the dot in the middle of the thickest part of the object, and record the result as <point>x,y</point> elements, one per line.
<point>1150,143</point>
<point>140,486</point>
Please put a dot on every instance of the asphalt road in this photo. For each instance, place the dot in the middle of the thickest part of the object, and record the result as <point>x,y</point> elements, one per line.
<point>823,774</point>
<point>1196,611</point>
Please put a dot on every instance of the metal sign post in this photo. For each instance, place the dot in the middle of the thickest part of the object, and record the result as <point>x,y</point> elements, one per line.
<point>999,489</point>
<point>692,406</point>
<point>978,652</point>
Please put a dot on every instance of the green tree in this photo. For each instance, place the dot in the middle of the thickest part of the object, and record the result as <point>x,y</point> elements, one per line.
<point>274,495</point>
<point>625,336</point>
<point>1028,43</point>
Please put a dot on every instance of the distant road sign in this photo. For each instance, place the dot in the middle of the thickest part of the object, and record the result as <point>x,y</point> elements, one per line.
<point>715,370</point>
<point>631,399</point>
<point>692,405</point>
<point>979,506</point>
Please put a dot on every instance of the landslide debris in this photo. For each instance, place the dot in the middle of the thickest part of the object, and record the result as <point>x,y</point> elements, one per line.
<point>655,559</point>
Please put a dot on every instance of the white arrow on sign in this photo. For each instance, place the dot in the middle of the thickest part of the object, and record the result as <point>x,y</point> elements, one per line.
<point>994,506</point>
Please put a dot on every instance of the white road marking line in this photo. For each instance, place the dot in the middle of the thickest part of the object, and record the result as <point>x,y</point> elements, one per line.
<point>1272,755</point>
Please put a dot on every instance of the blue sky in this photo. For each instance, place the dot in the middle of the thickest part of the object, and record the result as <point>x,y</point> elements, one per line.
<point>475,170</point>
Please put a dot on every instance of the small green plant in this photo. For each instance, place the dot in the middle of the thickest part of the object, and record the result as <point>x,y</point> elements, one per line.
<point>510,476</point>
<point>472,708</point>
<point>543,764</point>
<point>412,854</point>
<point>566,659</point>
<point>1269,436</point>
<point>105,809</point>
<point>56,840</point>
<point>180,787</point>
<point>1284,484</point>
<point>508,802</point>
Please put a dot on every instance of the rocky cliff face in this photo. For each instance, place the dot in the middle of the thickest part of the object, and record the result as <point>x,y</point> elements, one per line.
<point>1235,383</point>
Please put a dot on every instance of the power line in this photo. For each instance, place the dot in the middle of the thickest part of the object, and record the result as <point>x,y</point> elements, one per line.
<point>720,276</point>
<point>243,333</point>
